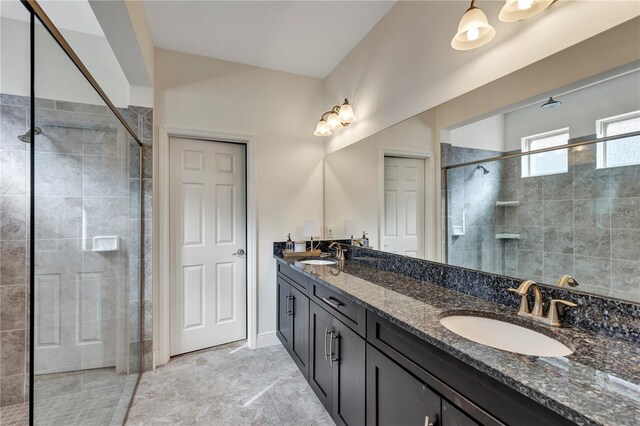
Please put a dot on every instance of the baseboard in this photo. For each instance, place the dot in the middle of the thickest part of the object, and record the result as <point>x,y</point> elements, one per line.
<point>267,339</point>
<point>156,358</point>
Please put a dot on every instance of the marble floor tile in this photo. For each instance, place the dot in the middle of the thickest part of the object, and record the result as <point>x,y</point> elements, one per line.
<point>230,385</point>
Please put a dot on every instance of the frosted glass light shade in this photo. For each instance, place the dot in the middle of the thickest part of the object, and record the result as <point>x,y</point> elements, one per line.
<point>333,120</point>
<point>517,10</point>
<point>346,113</point>
<point>322,129</point>
<point>473,31</point>
<point>311,229</point>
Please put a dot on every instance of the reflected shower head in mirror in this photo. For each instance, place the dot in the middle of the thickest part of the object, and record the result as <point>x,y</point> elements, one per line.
<point>26,137</point>
<point>551,103</point>
<point>484,171</point>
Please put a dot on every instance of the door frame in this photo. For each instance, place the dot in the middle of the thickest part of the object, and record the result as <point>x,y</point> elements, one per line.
<point>429,197</point>
<point>161,285</point>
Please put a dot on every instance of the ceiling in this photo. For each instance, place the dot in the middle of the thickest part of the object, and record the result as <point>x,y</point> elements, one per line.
<point>302,37</point>
<point>75,15</point>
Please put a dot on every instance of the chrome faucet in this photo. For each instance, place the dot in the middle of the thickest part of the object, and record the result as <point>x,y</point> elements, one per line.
<point>553,317</point>
<point>339,250</point>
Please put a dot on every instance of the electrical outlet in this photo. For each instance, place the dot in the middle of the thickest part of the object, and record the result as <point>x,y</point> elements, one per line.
<point>330,231</point>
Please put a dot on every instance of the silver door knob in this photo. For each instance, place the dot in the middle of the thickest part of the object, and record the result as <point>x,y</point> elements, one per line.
<point>240,252</point>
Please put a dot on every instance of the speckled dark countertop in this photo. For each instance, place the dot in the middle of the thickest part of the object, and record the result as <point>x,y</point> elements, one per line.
<point>598,384</point>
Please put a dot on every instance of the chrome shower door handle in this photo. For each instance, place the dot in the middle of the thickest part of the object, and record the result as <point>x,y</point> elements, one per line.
<point>240,252</point>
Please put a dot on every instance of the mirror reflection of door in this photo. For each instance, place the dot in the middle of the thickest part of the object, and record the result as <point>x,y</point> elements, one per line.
<point>403,212</point>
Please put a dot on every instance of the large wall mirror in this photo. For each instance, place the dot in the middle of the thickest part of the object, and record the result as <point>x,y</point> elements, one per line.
<point>533,176</point>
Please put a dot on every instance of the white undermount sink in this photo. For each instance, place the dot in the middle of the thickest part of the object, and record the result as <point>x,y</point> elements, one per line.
<point>504,335</point>
<point>318,262</point>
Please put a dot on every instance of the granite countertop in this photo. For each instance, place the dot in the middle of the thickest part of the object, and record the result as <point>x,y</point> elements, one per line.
<point>597,384</point>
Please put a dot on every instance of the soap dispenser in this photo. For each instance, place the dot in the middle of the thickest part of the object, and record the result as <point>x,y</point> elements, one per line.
<point>289,244</point>
<point>365,240</point>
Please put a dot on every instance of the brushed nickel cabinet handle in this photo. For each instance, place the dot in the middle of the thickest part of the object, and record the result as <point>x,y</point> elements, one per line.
<point>326,334</point>
<point>331,358</point>
<point>331,348</point>
<point>332,302</point>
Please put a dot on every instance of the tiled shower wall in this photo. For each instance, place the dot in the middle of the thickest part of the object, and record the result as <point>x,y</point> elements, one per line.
<point>585,223</point>
<point>472,197</point>
<point>60,219</point>
<point>14,328</point>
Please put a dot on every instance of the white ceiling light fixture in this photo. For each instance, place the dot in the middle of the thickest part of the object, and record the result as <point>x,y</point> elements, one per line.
<point>474,30</point>
<point>517,10</point>
<point>338,117</point>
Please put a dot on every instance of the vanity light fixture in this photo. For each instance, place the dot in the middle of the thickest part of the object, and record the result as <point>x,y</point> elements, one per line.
<point>517,10</point>
<point>338,117</point>
<point>474,30</point>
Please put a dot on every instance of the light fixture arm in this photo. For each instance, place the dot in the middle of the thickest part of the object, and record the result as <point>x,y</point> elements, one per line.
<point>335,109</point>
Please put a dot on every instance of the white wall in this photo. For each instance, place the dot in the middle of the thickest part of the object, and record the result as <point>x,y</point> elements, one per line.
<point>579,110</point>
<point>405,65</point>
<point>57,77</point>
<point>280,109</point>
<point>483,134</point>
<point>353,181</point>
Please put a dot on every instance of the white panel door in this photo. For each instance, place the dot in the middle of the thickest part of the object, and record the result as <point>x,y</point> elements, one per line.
<point>403,222</point>
<point>207,230</point>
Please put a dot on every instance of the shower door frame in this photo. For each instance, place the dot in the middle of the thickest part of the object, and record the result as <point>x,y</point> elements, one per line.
<point>35,11</point>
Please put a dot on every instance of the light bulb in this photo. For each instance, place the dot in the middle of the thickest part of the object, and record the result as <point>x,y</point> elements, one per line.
<point>346,113</point>
<point>322,129</point>
<point>333,120</point>
<point>525,4</point>
<point>473,33</point>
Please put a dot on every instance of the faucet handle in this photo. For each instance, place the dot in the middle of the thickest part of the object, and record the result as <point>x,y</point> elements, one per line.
<point>564,302</point>
<point>553,317</point>
<point>524,302</point>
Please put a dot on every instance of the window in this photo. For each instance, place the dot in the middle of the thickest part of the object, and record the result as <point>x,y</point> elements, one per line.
<point>618,152</point>
<point>546,163</point>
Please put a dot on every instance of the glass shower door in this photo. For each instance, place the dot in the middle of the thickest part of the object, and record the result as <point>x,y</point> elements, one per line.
<point>86,248</point>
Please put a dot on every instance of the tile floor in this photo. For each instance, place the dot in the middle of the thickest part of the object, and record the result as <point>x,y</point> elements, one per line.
<point>14,415</point>
<point>232,385</point>
<point>90,397</point>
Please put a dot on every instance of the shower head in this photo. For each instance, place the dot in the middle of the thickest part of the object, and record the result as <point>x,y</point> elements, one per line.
<point>484,171</point>
<point>26,137</point>
<point>551,103</point>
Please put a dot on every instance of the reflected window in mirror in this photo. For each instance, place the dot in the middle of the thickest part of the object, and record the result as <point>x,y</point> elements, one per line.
<point>546,163</point>
<point>624,152</point>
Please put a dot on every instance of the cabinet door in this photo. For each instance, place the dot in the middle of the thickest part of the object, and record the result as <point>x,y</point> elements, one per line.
<point>451,416</point>
<point>395,397</point>
<point>349,371</point>
<point>283,326</point>
<point>320,371</point>
<point>299,340</point>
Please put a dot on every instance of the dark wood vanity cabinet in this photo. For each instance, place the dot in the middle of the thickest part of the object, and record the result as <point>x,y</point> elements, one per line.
<point>367,370</point>
<point>337,368</point>
<point>292,326</point>
<point>395,397</point>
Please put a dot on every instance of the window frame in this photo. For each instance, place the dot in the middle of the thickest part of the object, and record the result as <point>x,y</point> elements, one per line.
<point>601,152</point>
<point>526,147</point>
